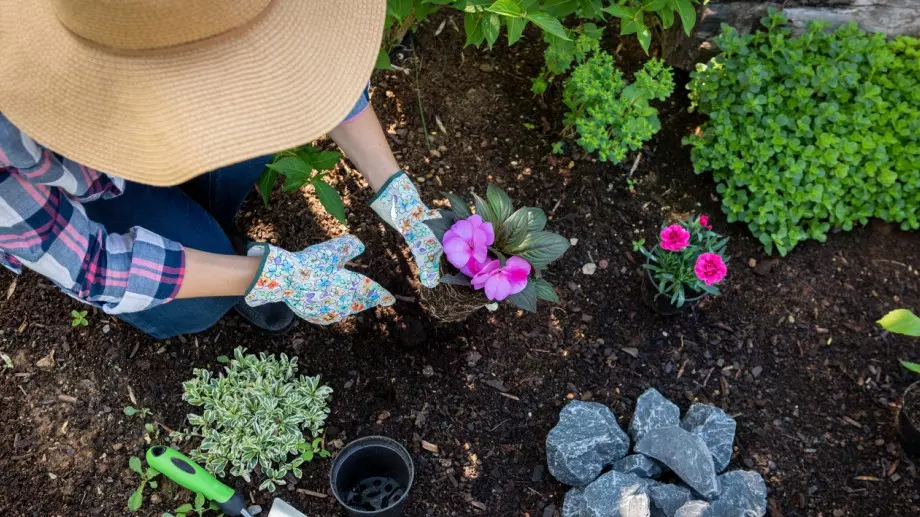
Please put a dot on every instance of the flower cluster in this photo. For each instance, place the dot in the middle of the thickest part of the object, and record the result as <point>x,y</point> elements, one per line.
<point>466,245</point>
<point>498,250</point>
<point>688,261</point>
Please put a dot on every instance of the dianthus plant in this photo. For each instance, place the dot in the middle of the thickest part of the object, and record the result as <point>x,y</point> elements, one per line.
<point>611,116</point>
<point>497,249</point>
<point>688,261</point>
<point>259,412</point>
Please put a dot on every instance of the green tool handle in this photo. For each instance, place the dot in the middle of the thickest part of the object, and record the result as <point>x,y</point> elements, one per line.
<point>185,472</point>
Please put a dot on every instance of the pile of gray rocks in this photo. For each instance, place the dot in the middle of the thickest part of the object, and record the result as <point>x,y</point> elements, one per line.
<point>692,452</point>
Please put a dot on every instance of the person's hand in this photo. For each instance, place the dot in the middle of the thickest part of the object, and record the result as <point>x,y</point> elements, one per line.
<point>313,282</point>
<point>400,206</point>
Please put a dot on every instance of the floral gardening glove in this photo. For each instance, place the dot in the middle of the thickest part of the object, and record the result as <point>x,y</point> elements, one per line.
<point>313,282</point>
<point>398,204</point>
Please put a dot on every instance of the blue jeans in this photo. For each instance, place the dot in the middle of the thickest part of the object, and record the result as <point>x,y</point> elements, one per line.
<point>194,215</point>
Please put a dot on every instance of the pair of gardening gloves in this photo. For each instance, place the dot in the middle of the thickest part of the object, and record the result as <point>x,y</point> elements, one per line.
<point>314,282</point>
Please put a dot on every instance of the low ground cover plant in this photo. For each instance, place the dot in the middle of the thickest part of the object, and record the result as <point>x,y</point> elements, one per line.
<point>258,413</point>
<point>688,261</point>
<point>811,133</point>
<point>498,250</point>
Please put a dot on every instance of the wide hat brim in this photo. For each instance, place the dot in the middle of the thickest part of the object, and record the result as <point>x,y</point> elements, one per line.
<point>163,116</point>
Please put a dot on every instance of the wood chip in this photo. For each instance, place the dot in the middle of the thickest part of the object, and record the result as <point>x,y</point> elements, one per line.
<point>67,398</point>
<point>866,478</point>
<point>631,351</point>
<point>47,361</point>
<point>311,493</point>
<point>496,384</point>
<point>894,467</point>
<point>852,422</point>
<point>131,395</point>
<point>477,504</point>
<point>430,447</point>
<point>11,289</point>
<point>510,396</point>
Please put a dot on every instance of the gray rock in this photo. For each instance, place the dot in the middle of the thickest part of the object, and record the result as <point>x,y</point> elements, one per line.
<point>616,494</point>
<point>574,503</point>
<point>586,439</point>
<point>716,428</point>
<point>744,493</point>
<point>639,465</point>
<point>684,453</point>
<point>695,509</point>
<point>653,411</point>
<point>667,498</point>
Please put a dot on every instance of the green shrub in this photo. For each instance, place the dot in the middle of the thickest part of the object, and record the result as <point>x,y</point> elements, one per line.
<point>256,414</point>
<point>811,133</point>
<point>611,116</point>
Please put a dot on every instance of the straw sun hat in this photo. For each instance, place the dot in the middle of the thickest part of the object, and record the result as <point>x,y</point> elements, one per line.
<point>159,91</point>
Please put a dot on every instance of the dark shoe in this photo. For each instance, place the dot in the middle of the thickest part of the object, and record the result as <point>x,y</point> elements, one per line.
<point>275,319</point>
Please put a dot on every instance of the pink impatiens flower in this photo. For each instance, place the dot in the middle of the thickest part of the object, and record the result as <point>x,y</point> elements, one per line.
<point>675,238</point>
<point>710,268</point>
<point>500,281</point>
<point>467,242</point>
<point>704,221</point>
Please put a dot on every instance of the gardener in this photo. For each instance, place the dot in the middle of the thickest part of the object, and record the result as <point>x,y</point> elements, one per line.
<point>131,132</point>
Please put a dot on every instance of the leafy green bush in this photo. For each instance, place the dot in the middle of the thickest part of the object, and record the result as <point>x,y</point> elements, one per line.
<point>256,414</point>
<point>642,17</point>
<point>811,133</point>
<point>305,165</point>
<point>610,115</point>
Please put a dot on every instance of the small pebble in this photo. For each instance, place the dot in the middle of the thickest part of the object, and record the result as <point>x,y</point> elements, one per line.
<point>589,268</point>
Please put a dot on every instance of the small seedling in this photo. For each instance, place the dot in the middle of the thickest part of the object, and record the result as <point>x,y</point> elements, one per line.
<point>79,318</point>
<point>131,411</point>
<point>7,362</point>
<point>528,125</point>
<point>147,478</point>
<point>200,507</point>
<point>639,244</point>
<point>558,147</point>
<point>309,450</point>
<point>631,186</point>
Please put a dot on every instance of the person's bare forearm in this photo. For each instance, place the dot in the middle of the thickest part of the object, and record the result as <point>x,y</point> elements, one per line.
<point>366,145</point>
<point>212,274</point>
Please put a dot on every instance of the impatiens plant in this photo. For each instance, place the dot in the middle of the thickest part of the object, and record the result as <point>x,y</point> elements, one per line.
<point>497,249</point>
<point>688,261</point>
<point>257,413</point>
<point>904,322</point>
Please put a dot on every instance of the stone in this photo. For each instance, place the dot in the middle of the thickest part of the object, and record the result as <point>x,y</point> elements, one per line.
<point>616,494</point>
<point>667,498</point>
<point>653,411</point>
<point>574,503</point>
<point>695,509</point>
<point>716,428</point>
<point>743,493</point>
<point>586,439</point>
<point>638,465</point>
<point>684,453</point>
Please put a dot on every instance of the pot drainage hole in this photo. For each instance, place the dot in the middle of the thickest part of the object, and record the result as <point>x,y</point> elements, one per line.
<point>376,493</point>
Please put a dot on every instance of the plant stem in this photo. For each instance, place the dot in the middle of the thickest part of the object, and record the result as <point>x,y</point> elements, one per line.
<point>421,111</point>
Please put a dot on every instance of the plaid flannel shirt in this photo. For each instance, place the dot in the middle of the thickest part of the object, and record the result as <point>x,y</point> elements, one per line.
<point>43,226</point>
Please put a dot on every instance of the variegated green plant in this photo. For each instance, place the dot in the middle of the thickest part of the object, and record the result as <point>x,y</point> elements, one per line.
<point>259,412</point>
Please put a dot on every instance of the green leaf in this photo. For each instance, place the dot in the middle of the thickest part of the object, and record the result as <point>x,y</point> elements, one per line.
<point>134,463</point>
<point>667,18</point>
<point>545,290</point>
<point>901,321</point>
<point>914,367</point>
<point>458,205</point>
<point>645,37</point>
<point>266,183</point>
<point>383,60</point>
<point>505,8</point>
<point>223,359</point>
<point>130,411</point>
<point>515,29</point>
<point>137,499</point>
<point>297,172</point>
<point>526,299</point>
<point>460,280</point>
<point>499,202</point>
<point>399,9</point>
<point>185,508</point>
<point>522,222</point>
<point>540,248</point>
<point>484,210</point>
<point>472,25</point>
<point>491,27</point>
<point>628,27</point>
<point>319,160</point>
<point>440,225</point>
<point>549,24</point>
<point>199,500</point>
<point>687,13</point>
<point>330,200</point>
<point>621,11</point>
<point>167,514</point>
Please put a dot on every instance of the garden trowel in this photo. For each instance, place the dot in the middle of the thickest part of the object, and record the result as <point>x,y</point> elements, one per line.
<point>185,472</point>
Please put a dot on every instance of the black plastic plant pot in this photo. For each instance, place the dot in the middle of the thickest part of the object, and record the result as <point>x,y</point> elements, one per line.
<point>661,303</point>
<point>909,420</point>
<point>372,476</point>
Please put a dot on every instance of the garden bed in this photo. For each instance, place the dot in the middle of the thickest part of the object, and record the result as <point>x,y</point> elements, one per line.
<point>791,350</point>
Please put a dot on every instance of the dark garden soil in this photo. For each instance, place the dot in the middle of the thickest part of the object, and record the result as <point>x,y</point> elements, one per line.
<point>791,350</point>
